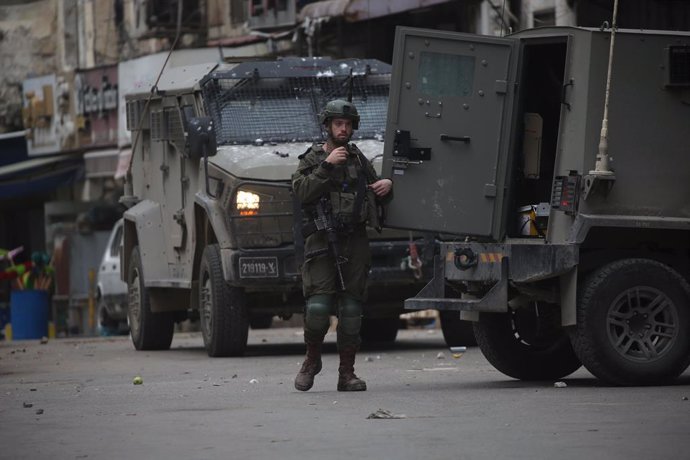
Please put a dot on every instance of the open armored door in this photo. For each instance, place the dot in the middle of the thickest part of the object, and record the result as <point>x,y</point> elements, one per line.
<point>448,131</point>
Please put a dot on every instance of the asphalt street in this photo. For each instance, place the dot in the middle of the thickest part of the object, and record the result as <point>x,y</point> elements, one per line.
<point>75,399</point>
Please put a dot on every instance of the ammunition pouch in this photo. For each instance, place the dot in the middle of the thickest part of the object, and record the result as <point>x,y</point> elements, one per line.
<point>347,207</point>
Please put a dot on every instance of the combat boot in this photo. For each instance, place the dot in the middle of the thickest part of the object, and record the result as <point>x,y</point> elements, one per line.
<point>310,367</point>
<point>347,380</point>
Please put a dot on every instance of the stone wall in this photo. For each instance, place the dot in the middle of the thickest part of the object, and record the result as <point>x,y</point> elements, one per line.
<point>27,48</point>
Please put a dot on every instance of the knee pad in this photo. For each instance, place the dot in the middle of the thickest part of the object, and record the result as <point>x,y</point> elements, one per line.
<point>350,307</point>
<point>350,316</point>
<point>317,317</point>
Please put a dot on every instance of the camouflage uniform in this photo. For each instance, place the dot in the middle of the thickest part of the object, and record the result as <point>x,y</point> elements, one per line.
<point>311,181</point>
<point>354,207</point>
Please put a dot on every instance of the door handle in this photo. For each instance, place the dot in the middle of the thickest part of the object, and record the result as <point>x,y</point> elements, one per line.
<point>407,162</point>
<point>446,137</point>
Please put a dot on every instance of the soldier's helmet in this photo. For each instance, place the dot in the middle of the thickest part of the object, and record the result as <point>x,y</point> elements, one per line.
<point>339,108</point>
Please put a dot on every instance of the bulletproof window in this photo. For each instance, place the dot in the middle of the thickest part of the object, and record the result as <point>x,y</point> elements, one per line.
<point>157,126</point>
<point>279,108</point>
<point>135,110</point>
<point>678,65</point>
<point>174,129</point>
<point>445,74</point>
<point>166,125</point>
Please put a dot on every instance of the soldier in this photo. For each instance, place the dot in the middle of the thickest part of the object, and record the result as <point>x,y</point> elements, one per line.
<point>340,194</point>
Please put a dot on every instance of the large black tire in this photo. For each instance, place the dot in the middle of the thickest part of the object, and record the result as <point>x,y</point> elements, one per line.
<point>633,323</point>
<point>149,330</point>
<point>222,309</point>
<point>379,329</point>
<point>525,345</point>
<point>456,332</point>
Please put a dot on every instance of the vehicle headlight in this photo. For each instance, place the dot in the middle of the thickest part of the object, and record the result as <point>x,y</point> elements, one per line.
<point>247,203</point>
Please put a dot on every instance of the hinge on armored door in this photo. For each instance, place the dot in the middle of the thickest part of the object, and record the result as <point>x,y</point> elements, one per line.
<point>501,86</point>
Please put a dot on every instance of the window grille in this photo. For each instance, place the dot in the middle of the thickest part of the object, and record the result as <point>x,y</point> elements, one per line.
<point>281,101</point>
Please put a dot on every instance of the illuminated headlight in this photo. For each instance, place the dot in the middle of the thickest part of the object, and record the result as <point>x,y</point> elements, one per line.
<point>247,203</point>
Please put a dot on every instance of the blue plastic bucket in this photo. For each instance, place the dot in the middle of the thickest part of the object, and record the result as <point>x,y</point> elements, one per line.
<point>29,314</point>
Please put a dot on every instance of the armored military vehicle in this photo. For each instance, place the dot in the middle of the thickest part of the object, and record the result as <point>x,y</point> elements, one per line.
<point>210,226</point>
<point>567,226</point>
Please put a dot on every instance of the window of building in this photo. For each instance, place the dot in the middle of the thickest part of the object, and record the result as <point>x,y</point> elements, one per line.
<point>544,18</point>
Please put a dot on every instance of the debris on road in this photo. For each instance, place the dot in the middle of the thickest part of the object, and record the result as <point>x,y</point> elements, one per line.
<point>457,352</point>
<point>253,381</point>
<point>44,340</point>
<point>137,380</point>
<point>441,355</point>
<point>384,414</point>
<point>435,369</point>
<point>368,359</point>
<point>684,398</point>
<point>39,411</point>
<point>560,385</point>
<point>27,405</point>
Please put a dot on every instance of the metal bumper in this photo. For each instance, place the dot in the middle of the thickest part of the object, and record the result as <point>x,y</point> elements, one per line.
<point>386,267</point>
<point>116,305</point>
<point>494,266</point>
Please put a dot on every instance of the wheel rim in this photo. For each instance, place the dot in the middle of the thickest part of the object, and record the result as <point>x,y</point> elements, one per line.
<point>134,307</point>
<point>642,324</point>
<point>206,301</point>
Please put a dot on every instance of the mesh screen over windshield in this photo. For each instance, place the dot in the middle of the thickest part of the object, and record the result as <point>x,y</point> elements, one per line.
<point>286,108</point>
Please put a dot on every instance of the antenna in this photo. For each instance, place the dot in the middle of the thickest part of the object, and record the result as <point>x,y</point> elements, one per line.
<point>601,166</point>
<point>601,178</point>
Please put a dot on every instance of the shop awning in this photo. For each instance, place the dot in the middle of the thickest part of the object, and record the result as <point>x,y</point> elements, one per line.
<point>13,148</point>
<point>39,175</point>
<point>361,10</point>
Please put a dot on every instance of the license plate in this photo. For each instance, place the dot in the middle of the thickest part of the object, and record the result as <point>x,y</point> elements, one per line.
<point>258,267</point>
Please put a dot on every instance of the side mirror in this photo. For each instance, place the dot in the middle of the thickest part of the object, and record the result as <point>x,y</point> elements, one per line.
<point>200,136</point>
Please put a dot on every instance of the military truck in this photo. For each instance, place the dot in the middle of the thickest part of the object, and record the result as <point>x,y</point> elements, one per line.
<point>210,228</point>
<point>566,225</point>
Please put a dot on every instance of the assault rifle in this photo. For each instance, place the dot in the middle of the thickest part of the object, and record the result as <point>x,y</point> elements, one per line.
<point>326,221</point>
